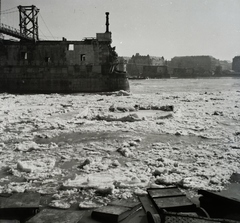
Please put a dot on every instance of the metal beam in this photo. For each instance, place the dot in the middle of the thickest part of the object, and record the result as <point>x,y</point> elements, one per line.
<point>29,21</point>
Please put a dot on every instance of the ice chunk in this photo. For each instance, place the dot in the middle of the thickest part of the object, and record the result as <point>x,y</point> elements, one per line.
<point>59,204</point>
<point>40,165</point>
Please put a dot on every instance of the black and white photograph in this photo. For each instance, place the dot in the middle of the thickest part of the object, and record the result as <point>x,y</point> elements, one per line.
<point>119,111</point>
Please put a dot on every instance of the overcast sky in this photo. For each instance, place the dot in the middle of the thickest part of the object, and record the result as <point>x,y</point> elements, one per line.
<point>156,27</point>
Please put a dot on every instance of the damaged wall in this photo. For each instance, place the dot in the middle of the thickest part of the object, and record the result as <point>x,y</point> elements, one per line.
<point>58,66</point>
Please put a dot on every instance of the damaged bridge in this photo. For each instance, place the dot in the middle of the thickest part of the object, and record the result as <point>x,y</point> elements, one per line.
<point>5,29</point>
<point>28,24</point>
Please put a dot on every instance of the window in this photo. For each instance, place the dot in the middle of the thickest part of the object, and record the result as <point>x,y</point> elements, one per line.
<point>83,57</point>
<point>24,55</point>
<point>71,47</point>
<point>47,59</point>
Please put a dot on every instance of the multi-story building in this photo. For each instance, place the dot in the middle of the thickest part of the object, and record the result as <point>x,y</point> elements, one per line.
<point>236,64</point>
<point>136,63</point>
<point>147,67</point>
<point>194,66</point>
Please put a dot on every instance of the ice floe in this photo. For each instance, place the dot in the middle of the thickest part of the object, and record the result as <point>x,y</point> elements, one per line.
<point>117,144</point>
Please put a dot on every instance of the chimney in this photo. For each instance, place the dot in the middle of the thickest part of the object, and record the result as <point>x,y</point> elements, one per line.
<point>107,22</point>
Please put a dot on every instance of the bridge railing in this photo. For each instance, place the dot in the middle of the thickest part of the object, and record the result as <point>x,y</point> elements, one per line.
<point>9,27</point>
<point>13,32</point>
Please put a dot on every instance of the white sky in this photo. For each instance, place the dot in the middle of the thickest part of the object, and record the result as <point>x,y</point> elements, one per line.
<point>155,27</point>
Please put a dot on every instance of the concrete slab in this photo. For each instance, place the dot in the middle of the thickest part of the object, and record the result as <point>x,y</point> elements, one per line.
<point>20,200</point>
<point>57,216</point>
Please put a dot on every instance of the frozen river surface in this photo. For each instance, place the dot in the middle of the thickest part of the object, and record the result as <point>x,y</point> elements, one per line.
<point>73,148</point>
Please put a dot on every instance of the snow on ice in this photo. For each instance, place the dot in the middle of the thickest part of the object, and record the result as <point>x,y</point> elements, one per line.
<point>97,147</point>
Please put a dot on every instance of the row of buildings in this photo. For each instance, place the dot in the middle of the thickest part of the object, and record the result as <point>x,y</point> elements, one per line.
<point>140,66</point>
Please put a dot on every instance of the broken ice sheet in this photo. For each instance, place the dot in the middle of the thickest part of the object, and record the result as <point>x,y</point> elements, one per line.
<point>38,165</point>
<point>95,180</point>
<point>16,187</point>
<point>59,204</point>
<point>26,146</point>
<point>50,115</point>
<point>106,179</point>
<point>88,205</point>
<point>36,169</point>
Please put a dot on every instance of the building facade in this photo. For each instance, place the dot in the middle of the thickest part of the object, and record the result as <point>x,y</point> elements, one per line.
<point>236,64</point>
<point>60,66</point>
<point>136,63</point>
<point>155,72</point>
<point>194,66</point>
<point>140,66</point>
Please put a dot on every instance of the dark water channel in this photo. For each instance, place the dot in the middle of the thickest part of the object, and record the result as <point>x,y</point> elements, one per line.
<point>120,136</point>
